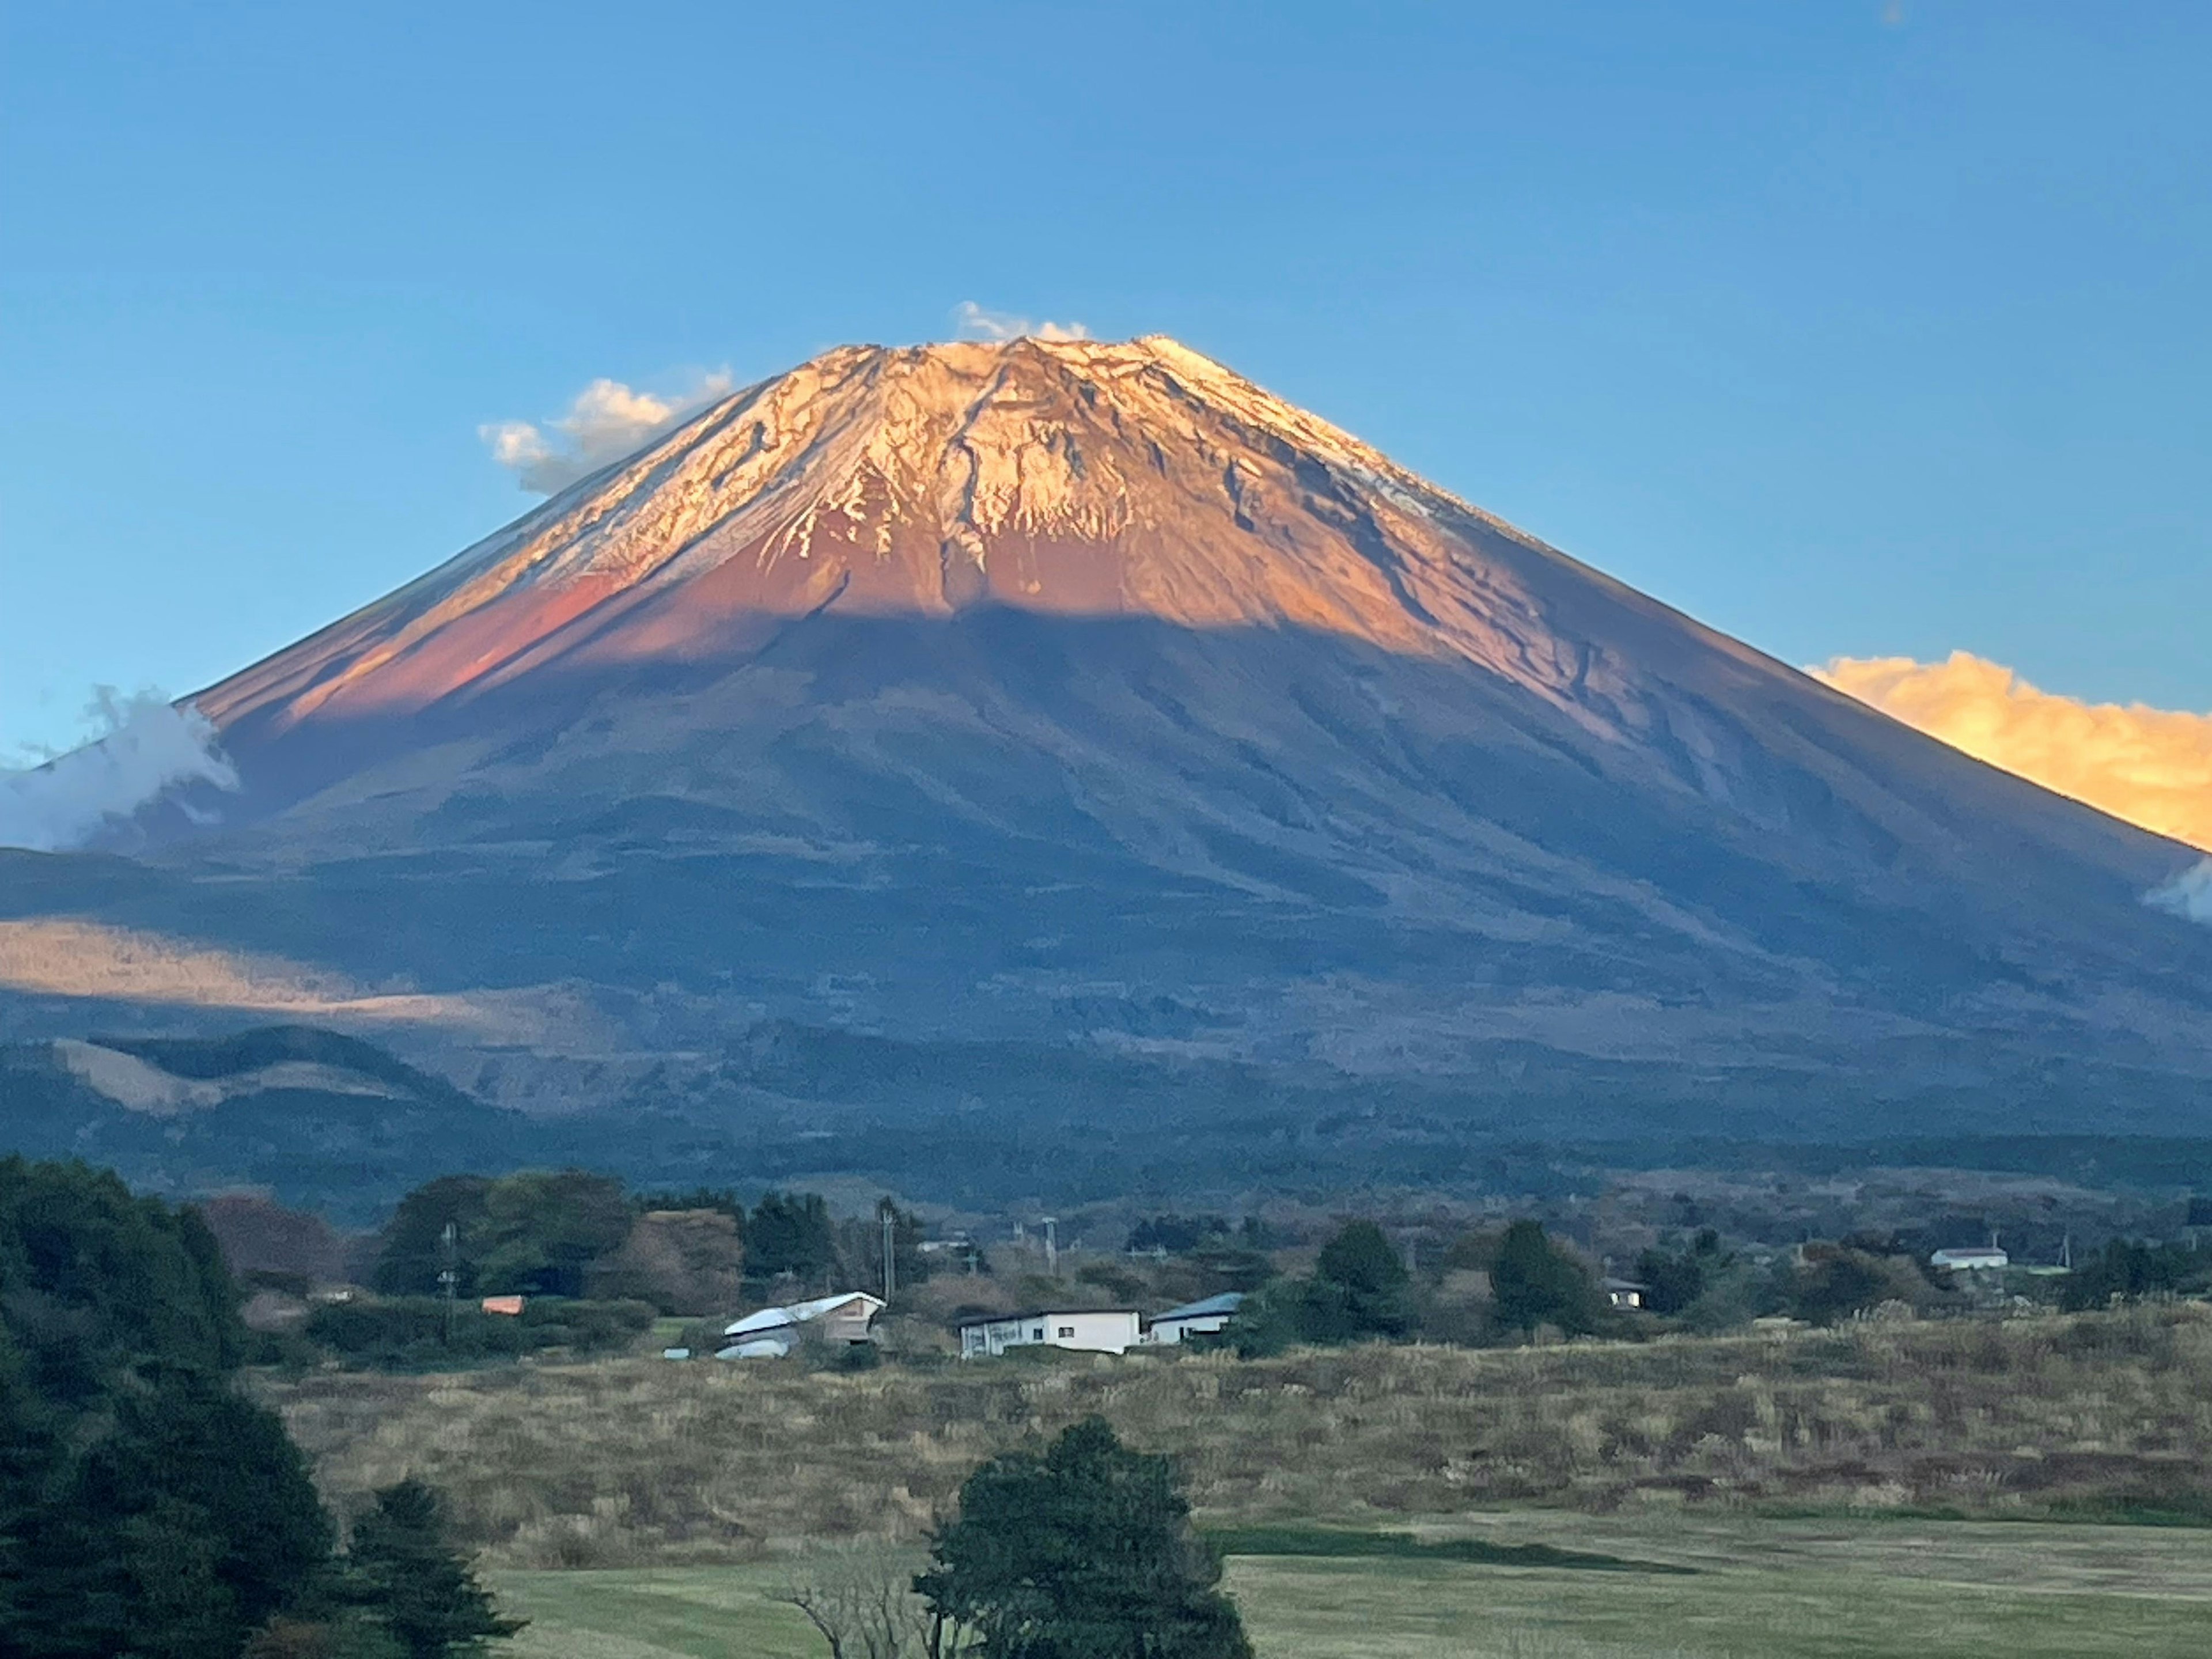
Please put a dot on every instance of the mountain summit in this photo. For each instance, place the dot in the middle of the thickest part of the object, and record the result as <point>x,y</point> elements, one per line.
<point>1063,479</point>
<point>1065,705</point>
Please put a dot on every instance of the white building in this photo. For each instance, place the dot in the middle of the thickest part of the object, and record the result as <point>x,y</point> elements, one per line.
<point>1960,1261</point>
<point>773,1333</point>
<point>1088,1330</point>
<point>1207,1318</point>
<point>1625,1295</point>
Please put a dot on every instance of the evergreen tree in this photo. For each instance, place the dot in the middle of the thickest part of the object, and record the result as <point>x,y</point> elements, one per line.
<point>1533,1282</point>
<point>146,1507</point>
<point>1370,1280</point>
<point>791,1233</point>
<point>402,1567</point>
<point>1084,1553</point>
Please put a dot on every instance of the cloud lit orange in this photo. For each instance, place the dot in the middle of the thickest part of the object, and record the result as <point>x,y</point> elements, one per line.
<point>2150,766</point>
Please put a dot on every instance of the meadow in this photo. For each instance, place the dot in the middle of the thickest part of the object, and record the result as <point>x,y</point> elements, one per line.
<point>641,1463</point>
<point>1862,1589</point>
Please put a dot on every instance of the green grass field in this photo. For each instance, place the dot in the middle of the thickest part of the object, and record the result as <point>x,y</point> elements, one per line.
<point>1760,1590</point>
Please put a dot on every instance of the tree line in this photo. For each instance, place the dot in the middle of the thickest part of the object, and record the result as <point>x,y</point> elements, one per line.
<point>1362,1288</point>
<point>146,1507</point>
<point>577,1234</point>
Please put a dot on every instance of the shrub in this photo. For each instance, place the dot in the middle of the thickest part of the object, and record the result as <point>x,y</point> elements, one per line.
<point>411,1333</point>
<point>1836,1282</point>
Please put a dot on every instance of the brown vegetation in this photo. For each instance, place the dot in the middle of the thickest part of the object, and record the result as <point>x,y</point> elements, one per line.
<point>686,1262</point>
<point>636,1462</point>
<point>260,1236</point>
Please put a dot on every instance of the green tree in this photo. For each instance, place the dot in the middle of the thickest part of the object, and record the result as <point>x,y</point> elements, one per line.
<point>402,1568</point>
<point>1085,1552</point>
<point>413,1251</point>
<point>1673,1279</point>
<point>1359,1289</point>
<point>543,1227</point>
<point>1533,1282</point>
<point>2130,1270</point>
<point>1370,1278</point>
<point>188,1521</point>
<point>1836,1282</point>
<point>791,1233</point>
<point>1273,1319</point>
<point>147,1509</point>
<point>95,1279</point>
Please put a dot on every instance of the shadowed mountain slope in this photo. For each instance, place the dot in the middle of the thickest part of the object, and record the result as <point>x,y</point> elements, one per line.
<point>1084,698</point>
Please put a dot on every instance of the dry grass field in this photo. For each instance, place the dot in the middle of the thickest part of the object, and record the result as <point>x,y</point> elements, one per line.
<point>640,1463</point>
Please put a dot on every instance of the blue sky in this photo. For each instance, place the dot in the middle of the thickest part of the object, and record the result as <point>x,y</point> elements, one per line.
<point>1850,328</point>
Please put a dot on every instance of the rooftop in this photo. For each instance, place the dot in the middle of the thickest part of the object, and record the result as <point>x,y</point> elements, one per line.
<point>772,1319</point>
<point>1227,1302</point>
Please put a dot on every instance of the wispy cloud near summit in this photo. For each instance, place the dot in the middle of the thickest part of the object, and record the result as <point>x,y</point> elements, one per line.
<point>607,421</point>
<point>973,322</point>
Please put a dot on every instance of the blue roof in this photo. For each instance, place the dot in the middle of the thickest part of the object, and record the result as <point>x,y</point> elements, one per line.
<point>1227,1302</point>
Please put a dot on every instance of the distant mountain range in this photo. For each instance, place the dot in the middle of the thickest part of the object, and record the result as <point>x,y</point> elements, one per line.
<point>1110,749</point>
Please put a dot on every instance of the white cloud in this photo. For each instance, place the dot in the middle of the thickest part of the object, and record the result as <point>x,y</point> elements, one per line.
<point>606,420</point>
<point>972,322</point>
<point>2150,766</point>
<point>146,745</point>
<point>2188,894</point>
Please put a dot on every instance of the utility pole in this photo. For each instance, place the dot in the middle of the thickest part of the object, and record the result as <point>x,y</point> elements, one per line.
<point>449,1277</point>
<point>888,1213</point>
<point>1052,1247</point>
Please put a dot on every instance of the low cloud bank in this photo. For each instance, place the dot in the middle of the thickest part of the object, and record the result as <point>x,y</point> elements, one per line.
<point>2150,766</point>
<point>605,422</point>
<point>974,322</point>
<point>146,745</point>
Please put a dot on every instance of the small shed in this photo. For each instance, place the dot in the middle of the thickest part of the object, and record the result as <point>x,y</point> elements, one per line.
<point>1209,1317</point>
<point>1624,1294</point>
<point>1087,1330</point>
<point>1980,1258</point>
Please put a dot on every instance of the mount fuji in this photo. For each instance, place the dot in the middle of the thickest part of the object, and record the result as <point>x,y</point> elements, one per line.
<point>1068,737</point>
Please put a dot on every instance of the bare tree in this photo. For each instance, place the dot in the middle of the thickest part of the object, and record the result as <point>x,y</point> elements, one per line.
<point>861,1598</point>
